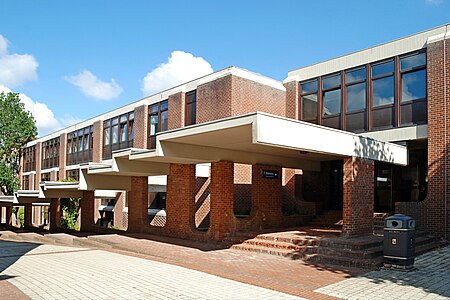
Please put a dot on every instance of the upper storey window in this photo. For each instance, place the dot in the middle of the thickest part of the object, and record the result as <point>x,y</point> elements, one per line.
<point>79,146</point>
<point>355,94</point>
<point>29,159</point>
<point>50,153</point>
<point>157,121</point>
<point>191,108</point>
<point>332,99</point>
<point>309,100</point>
<point>118,133</point>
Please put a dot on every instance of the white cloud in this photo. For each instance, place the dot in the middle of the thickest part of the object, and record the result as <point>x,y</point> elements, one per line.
<point>15,68</point>
<point>91,86</point>
<point>180,67</point>
<point>45,119</point>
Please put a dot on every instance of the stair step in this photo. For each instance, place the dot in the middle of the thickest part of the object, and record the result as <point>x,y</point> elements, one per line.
<point>351,253</point>
<point>277,245</point>
<point>85,242</point>
<point>369,263</point>
<point>272,251</point>
<point>303,241</point>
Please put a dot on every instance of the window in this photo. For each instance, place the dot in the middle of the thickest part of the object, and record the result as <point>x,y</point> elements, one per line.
<point>74,174</point>
<point>25,182</point>
<point>50,153</point>
<point>309,101</point>
<point>29,162</point>
<point>79,146</point>
<point>383,94</point>
<point>157,121</point>
<point>355,92</point>
<point>413,94</point>
<point>118,133</point>
<point>332,99</point>
<point>191,114</point>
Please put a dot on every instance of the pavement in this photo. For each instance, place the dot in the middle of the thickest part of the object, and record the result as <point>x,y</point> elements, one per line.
<point>148,267</point>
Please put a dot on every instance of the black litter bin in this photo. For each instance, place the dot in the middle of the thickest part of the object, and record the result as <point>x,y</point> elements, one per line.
<point>399,240</point>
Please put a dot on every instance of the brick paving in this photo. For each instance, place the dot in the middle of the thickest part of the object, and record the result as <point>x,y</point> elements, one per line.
<point>429,280</point>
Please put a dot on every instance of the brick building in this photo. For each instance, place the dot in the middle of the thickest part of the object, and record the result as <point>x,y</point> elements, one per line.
<point>234,151</point>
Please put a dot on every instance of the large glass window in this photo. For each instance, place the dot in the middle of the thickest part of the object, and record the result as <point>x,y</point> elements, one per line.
<point>332,100</point>
<point>383,91</point>
<point>29,162</point>
<point>355,92</point>
<point>157,121</point>
<point>50,155</point>
<point>118,134</point>
<point>79,146</point>
<point>356,97</point>
<point>191,110</point>
<point>309,100</point>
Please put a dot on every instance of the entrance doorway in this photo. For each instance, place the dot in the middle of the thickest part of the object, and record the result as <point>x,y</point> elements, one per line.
<point>336,185</point>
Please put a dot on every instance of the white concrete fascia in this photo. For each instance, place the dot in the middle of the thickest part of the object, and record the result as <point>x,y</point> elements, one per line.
<point>409,133</point>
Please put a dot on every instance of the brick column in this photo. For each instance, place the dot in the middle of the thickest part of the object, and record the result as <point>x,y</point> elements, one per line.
<point>28,215</point>
<point>138,204</point>
<point>8,216</point>
<point>358,196</point>
<point>222,221</point>
<point>292,100</point>
<point>140,127</point>
<point>62,155</point>
<point>87,211</point>
<point>55,214</point>
<point>180,201</point>
<point>267,196</point>
<point>38,157</point>
<point>118,210</point>
<point>176,103</point>
<point>97,145</point>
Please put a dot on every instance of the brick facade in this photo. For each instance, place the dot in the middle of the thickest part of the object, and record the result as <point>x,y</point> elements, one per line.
<point>97,151</point>
<point>62,155</point>
<point>358,196</point>
<point>138,204</point>
<point>140,127</point>
<point>176,110</point>
<point>55,214</point>
<point>87,211</point>
<point>28,215</point>
<point>292,100</point>
<point>38,157</point>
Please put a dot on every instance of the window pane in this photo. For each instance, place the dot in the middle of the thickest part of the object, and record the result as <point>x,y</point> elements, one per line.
<point>191,113</point>
<point>309,87</point>
<point>309,107</point>
<point>115,121</point>
<point>383,69</point>
<point>86,138</point>
<point>154,108</point>
<point>124,132</point>
<point>164,105</point>
<point>413,61</point>
<point>107,137</point>
<point>131,116</point>
<point>131,130</point>
<point>115,134</point>
<point>332,102</point>
<point>383,91</point>
<point>331,81</point>
<point>164,120</point>
<point>356,97</point>
<point>414,85</point>
<point>123,119</point>
<point>153,124</point>
<point>355,75</point>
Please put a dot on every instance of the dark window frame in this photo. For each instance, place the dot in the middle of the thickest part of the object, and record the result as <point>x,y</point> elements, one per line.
<point>159,109</point>
<point>50,153</point>
<point>78,149</point>
<point>304,94</point>
<point>119,122</point>
<point>190,114</point>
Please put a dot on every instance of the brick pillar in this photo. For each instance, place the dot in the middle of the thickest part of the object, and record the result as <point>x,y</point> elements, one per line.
<point>180,201</point>
<point>118,210</point>
<point>140,127</point>
<point>138,204</point>
<point>87,211</point>
<point>37,178</point>
<point>55,214</point>
<point>222,200</point>
<point>97,145</point>
<point>292,100</point>
<point>62,155</point>
<point>267,196</point>
<point>358,196</point>
<point>8,216</point>
<point>28,215</point>
<point>176,103</point>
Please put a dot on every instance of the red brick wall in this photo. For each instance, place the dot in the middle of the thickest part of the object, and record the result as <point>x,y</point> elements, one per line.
<point>242,189</point>
<point>138,204</point>
<point>87,211</point>
<point>118,211</point>
<point>97,151</point>
<point>180,201</point>
<point>63,155</point>
<point>28,216</point>
<point>214,100</point>
<point>140,127</point>
<point>202,202</point>
<point>176,106</point>
<point>358,196</point>
<point>292,100</point>
<point>55,214</point>
<point>37,178</point>
<point>433,214</point>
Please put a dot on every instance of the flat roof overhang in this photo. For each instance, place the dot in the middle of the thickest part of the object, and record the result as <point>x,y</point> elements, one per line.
<point>7,200</point>
<point>28,196</point>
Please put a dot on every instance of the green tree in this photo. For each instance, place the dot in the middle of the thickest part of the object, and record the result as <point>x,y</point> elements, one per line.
<point>17,127</point>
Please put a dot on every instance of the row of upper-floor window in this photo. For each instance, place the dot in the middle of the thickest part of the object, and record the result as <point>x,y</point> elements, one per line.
<point>394,89</point>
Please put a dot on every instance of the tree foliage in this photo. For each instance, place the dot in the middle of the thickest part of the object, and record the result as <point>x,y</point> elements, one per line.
<point>17,127</point>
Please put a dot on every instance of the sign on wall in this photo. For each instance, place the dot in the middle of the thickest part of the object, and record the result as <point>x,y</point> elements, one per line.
<point>270,174</point>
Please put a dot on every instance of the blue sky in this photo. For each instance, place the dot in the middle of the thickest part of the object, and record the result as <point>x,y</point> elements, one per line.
<point>73,60</point>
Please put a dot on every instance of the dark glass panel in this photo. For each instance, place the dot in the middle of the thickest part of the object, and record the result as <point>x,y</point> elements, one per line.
<point>310,87</point>
<point>382,118</point>
<point>383,68</point>
<point>131,130</point>
<point>153,124</point>
<point>414,85</point>
<point>115,134</point>
<point>413,61</point>
<point>164,120</point>
<point>355,122</point>
<point>356,97</point>
<point>154,108</point>
<point>332,102</point>
<point>383,91</point>
<point>164,105</point>
<point>331,81</point>
<point>115,121</point>
<point>309,107</point>
<point>333,122</point>
<point>355,75</point>
<point>124,132</point>
<point>414,113</point>
<point>107,137</point>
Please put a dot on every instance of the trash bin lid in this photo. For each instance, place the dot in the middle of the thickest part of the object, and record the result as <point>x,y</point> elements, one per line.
<point>400,221</point>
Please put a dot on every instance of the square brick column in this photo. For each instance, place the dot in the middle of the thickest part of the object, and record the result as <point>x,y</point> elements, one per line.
<point>97,150</point>
<point>55,214</point>
<point>222,221</point>
<point>292,100</point>
<point>358,196</point>
<point>87,211</point>
<point>8,216</point>
<point>180,201</point>
<point>62,155</point>
<point>140,126</point>
<point>176,103</point>
<point>118,210</point>
<point>28,215</point>
<point>138,204</point>
<point>38,157</point>
<point>267,196</point>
